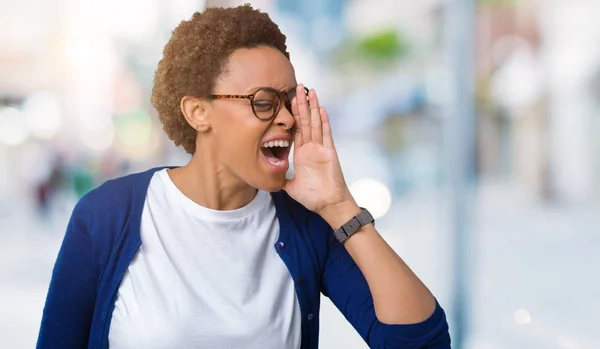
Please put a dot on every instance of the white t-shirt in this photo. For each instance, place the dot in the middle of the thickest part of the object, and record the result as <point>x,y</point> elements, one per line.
<point>205,278</point>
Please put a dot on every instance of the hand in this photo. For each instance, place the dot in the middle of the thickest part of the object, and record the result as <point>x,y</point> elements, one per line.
<point>318,182</point>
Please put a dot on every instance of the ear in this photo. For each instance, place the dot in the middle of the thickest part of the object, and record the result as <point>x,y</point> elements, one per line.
<point>195,111</point>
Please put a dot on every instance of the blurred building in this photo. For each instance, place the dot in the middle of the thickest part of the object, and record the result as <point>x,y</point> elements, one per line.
<point>538,114</point>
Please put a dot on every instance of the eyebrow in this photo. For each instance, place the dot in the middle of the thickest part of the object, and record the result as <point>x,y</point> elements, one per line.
<point>283,89</point>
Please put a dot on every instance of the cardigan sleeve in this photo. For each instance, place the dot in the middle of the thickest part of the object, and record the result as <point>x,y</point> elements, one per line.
<point>69,306</point>
<point>344,284</point>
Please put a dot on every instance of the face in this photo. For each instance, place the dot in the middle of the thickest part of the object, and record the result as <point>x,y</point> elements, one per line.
<point>239,135</point>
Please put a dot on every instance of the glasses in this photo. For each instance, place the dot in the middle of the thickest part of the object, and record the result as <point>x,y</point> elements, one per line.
<point>266,101</point>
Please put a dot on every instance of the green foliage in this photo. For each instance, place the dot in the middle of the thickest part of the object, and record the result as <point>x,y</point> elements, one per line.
<point>384,45</point>
<point>379,49</point>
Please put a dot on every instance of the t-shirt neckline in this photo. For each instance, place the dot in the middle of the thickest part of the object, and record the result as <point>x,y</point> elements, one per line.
<point>198,210</point>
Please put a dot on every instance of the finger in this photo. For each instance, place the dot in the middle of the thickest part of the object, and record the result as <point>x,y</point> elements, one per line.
<point>304,113</point>
<point>327,135</point>
<point>297,131</point>
<point>316,129</point>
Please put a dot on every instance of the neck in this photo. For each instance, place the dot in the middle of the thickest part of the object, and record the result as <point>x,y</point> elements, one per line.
<point>210,184</point>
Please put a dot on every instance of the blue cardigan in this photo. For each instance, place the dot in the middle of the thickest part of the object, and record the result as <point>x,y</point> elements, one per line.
<point>103,236</point>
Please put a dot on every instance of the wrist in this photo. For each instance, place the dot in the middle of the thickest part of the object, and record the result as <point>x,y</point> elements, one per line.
<point>340,213</point>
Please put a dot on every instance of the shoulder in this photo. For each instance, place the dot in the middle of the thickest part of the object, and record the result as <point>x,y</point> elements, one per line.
<point>110,205</point>
<point>118,192</point>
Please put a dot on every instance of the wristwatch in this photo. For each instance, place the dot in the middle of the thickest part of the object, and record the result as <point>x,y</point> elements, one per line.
<point>353,225</point>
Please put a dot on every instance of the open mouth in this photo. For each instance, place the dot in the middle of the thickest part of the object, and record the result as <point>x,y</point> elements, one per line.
<point>276,152</point>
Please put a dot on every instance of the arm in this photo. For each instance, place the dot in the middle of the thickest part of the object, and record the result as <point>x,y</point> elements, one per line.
<point>398,294</point>
<point>365,279</point>
<point>67,314</point>
<point>377,292</point>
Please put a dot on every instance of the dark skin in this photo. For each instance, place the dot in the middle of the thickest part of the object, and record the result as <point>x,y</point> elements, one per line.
<point>228,168</point>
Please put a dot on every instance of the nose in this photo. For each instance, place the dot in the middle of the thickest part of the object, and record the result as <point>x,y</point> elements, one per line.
<point>284,119</point>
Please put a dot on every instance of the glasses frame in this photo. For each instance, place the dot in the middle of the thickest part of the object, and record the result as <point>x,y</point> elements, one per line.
<point>283,96</point>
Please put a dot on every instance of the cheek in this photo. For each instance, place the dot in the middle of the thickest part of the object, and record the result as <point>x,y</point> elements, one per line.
<point>239,133</point>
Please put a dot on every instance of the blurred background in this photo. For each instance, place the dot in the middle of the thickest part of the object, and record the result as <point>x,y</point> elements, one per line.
<point>469,128</point>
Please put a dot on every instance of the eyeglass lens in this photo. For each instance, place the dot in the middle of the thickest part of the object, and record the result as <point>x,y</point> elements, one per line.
<point>267,102</point>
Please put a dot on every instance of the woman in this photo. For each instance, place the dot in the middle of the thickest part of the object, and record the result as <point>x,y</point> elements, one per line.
<point>225,252</point>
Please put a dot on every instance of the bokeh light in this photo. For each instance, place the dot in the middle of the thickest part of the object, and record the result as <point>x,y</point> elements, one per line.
<point>373,195</point>
<point>98,140</point>
<point>522,317</point>
<point>43,115</point>
<point>133,129</point>
<point>13,129</point>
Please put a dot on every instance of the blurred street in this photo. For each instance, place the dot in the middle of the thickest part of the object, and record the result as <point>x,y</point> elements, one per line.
<point>527,256</point>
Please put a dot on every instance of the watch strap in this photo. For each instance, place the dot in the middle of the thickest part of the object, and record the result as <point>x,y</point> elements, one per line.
<point>353,225</point>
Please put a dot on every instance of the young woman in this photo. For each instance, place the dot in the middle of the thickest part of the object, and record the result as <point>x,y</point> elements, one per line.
<point>225,252</point>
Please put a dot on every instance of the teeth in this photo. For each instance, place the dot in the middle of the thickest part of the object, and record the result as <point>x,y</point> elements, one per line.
<point>272,144</point>
<point>276,163</point>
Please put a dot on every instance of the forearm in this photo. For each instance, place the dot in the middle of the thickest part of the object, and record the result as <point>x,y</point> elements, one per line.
<point>398,295</point>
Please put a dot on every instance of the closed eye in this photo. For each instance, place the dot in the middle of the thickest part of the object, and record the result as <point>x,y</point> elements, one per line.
<point>263,105</point>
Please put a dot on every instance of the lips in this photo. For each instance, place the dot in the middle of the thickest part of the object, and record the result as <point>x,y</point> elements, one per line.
<point>276,150</point>
<point>276,154</point>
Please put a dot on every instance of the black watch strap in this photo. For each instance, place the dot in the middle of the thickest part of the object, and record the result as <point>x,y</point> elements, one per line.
<point>353,225</point>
